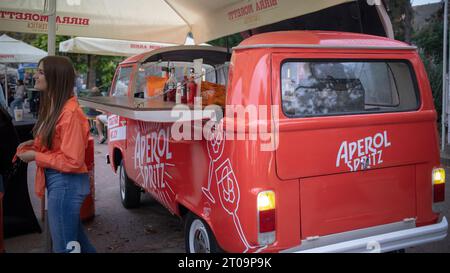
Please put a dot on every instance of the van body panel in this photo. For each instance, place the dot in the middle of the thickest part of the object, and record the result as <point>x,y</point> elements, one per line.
<point>348,201</point>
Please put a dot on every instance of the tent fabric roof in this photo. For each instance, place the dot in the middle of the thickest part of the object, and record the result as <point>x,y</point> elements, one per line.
<point>108,47</point>
<point>15,51</point>
<point>167,21</point>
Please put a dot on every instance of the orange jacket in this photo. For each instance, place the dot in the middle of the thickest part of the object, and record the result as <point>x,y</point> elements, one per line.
<point>69,145</point>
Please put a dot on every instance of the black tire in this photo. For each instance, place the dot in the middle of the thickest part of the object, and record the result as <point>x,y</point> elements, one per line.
<point>198,236</point>
<point>130,193</point>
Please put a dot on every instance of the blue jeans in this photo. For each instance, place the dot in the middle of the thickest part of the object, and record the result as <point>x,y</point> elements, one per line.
<point>66,193</point>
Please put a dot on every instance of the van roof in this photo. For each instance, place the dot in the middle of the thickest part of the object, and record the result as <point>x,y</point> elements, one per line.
<point>321,39</point>
<point>210,54</point>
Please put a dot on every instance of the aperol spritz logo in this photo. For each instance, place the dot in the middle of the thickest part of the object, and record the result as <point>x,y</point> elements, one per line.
<point>152,160</point>
<point>363,153</point>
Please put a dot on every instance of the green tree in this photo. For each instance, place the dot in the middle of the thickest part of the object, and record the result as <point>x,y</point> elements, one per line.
<point>106,66</point>
<point>79,60</point>
<point>230,41</point>
<point>401,14</point>
<point>429,39</point>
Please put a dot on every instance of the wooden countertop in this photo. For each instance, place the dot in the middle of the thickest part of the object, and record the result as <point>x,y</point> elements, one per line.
<point>154,110</point>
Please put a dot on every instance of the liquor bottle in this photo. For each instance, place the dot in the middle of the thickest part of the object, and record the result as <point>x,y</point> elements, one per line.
<point>178,93</point>
<point>184,84</point>
<point>171,86</point>
<point>164,74</point>
<point>191,87</point>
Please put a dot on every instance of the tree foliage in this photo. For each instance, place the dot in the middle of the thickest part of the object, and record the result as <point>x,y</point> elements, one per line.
<point>429,39</point>
<point>106,66</point>
<point>401,14</point>
<point>230,41</point>
<point>79,60</point>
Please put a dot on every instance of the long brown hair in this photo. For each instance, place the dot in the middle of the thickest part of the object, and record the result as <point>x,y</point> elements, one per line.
<point>60,76</point>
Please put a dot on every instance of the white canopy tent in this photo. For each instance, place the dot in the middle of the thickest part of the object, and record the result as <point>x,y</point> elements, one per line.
<point>15,51</point>
<point>166,21</point>
<point>112,47</point>
<point>108,47</point>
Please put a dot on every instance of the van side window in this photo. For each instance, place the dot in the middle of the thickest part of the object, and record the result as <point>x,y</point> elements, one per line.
<point>122,82</point>
<point>320,88</point>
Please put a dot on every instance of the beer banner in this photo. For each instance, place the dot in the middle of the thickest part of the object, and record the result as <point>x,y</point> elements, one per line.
<point>166,21</point>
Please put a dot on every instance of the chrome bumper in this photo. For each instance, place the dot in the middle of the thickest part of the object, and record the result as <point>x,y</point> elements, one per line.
<point>382,242</point>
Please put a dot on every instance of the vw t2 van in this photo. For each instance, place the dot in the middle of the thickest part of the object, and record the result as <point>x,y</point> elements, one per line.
<point>317,142</point>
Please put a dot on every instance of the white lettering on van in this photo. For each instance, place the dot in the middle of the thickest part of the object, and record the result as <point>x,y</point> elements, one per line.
<point>152,155</point>
<point>363,153</point>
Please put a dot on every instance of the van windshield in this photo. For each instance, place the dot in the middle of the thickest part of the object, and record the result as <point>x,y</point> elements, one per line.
<point>120,86</point>
<point>317,88</point>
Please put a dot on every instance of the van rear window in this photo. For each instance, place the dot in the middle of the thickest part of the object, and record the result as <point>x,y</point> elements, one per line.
<point>318,88</point>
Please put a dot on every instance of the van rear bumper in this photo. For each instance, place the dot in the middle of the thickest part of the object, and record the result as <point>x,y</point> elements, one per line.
<point>382,242</point>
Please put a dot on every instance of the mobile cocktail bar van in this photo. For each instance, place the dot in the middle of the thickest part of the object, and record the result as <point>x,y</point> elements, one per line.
<point>294,141</point>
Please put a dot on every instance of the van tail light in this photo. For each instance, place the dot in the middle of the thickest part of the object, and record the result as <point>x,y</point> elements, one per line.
<point>266,217</point>
<point>438,178</point>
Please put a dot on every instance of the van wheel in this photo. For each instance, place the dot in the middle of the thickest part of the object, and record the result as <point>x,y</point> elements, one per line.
<point>198,236</point>
<point>130,194</point>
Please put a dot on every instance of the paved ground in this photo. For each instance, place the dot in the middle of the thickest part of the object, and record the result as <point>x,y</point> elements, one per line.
<point>149,228</point>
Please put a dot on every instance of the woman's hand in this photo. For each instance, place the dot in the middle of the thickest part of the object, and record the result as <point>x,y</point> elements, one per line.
<point>27,156</point>
<point>26,143</point>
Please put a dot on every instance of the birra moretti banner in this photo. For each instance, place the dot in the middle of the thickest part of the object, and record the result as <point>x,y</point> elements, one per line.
<point>165,21</point>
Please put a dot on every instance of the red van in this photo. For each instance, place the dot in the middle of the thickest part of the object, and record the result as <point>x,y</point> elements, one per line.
<point>301,141</point>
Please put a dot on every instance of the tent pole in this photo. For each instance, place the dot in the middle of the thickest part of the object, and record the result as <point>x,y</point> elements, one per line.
<point>51,28</point>
<point>6,86</point>
<point>51,41</point>
<point>444,78</point>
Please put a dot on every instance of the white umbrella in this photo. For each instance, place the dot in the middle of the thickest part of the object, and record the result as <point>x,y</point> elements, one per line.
<point>109,47</point>
<point>167,21</point>
<point>15,51</point>
<point>112,47</point>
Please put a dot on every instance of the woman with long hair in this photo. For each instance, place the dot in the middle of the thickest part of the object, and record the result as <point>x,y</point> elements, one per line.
<point>60,139</point>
